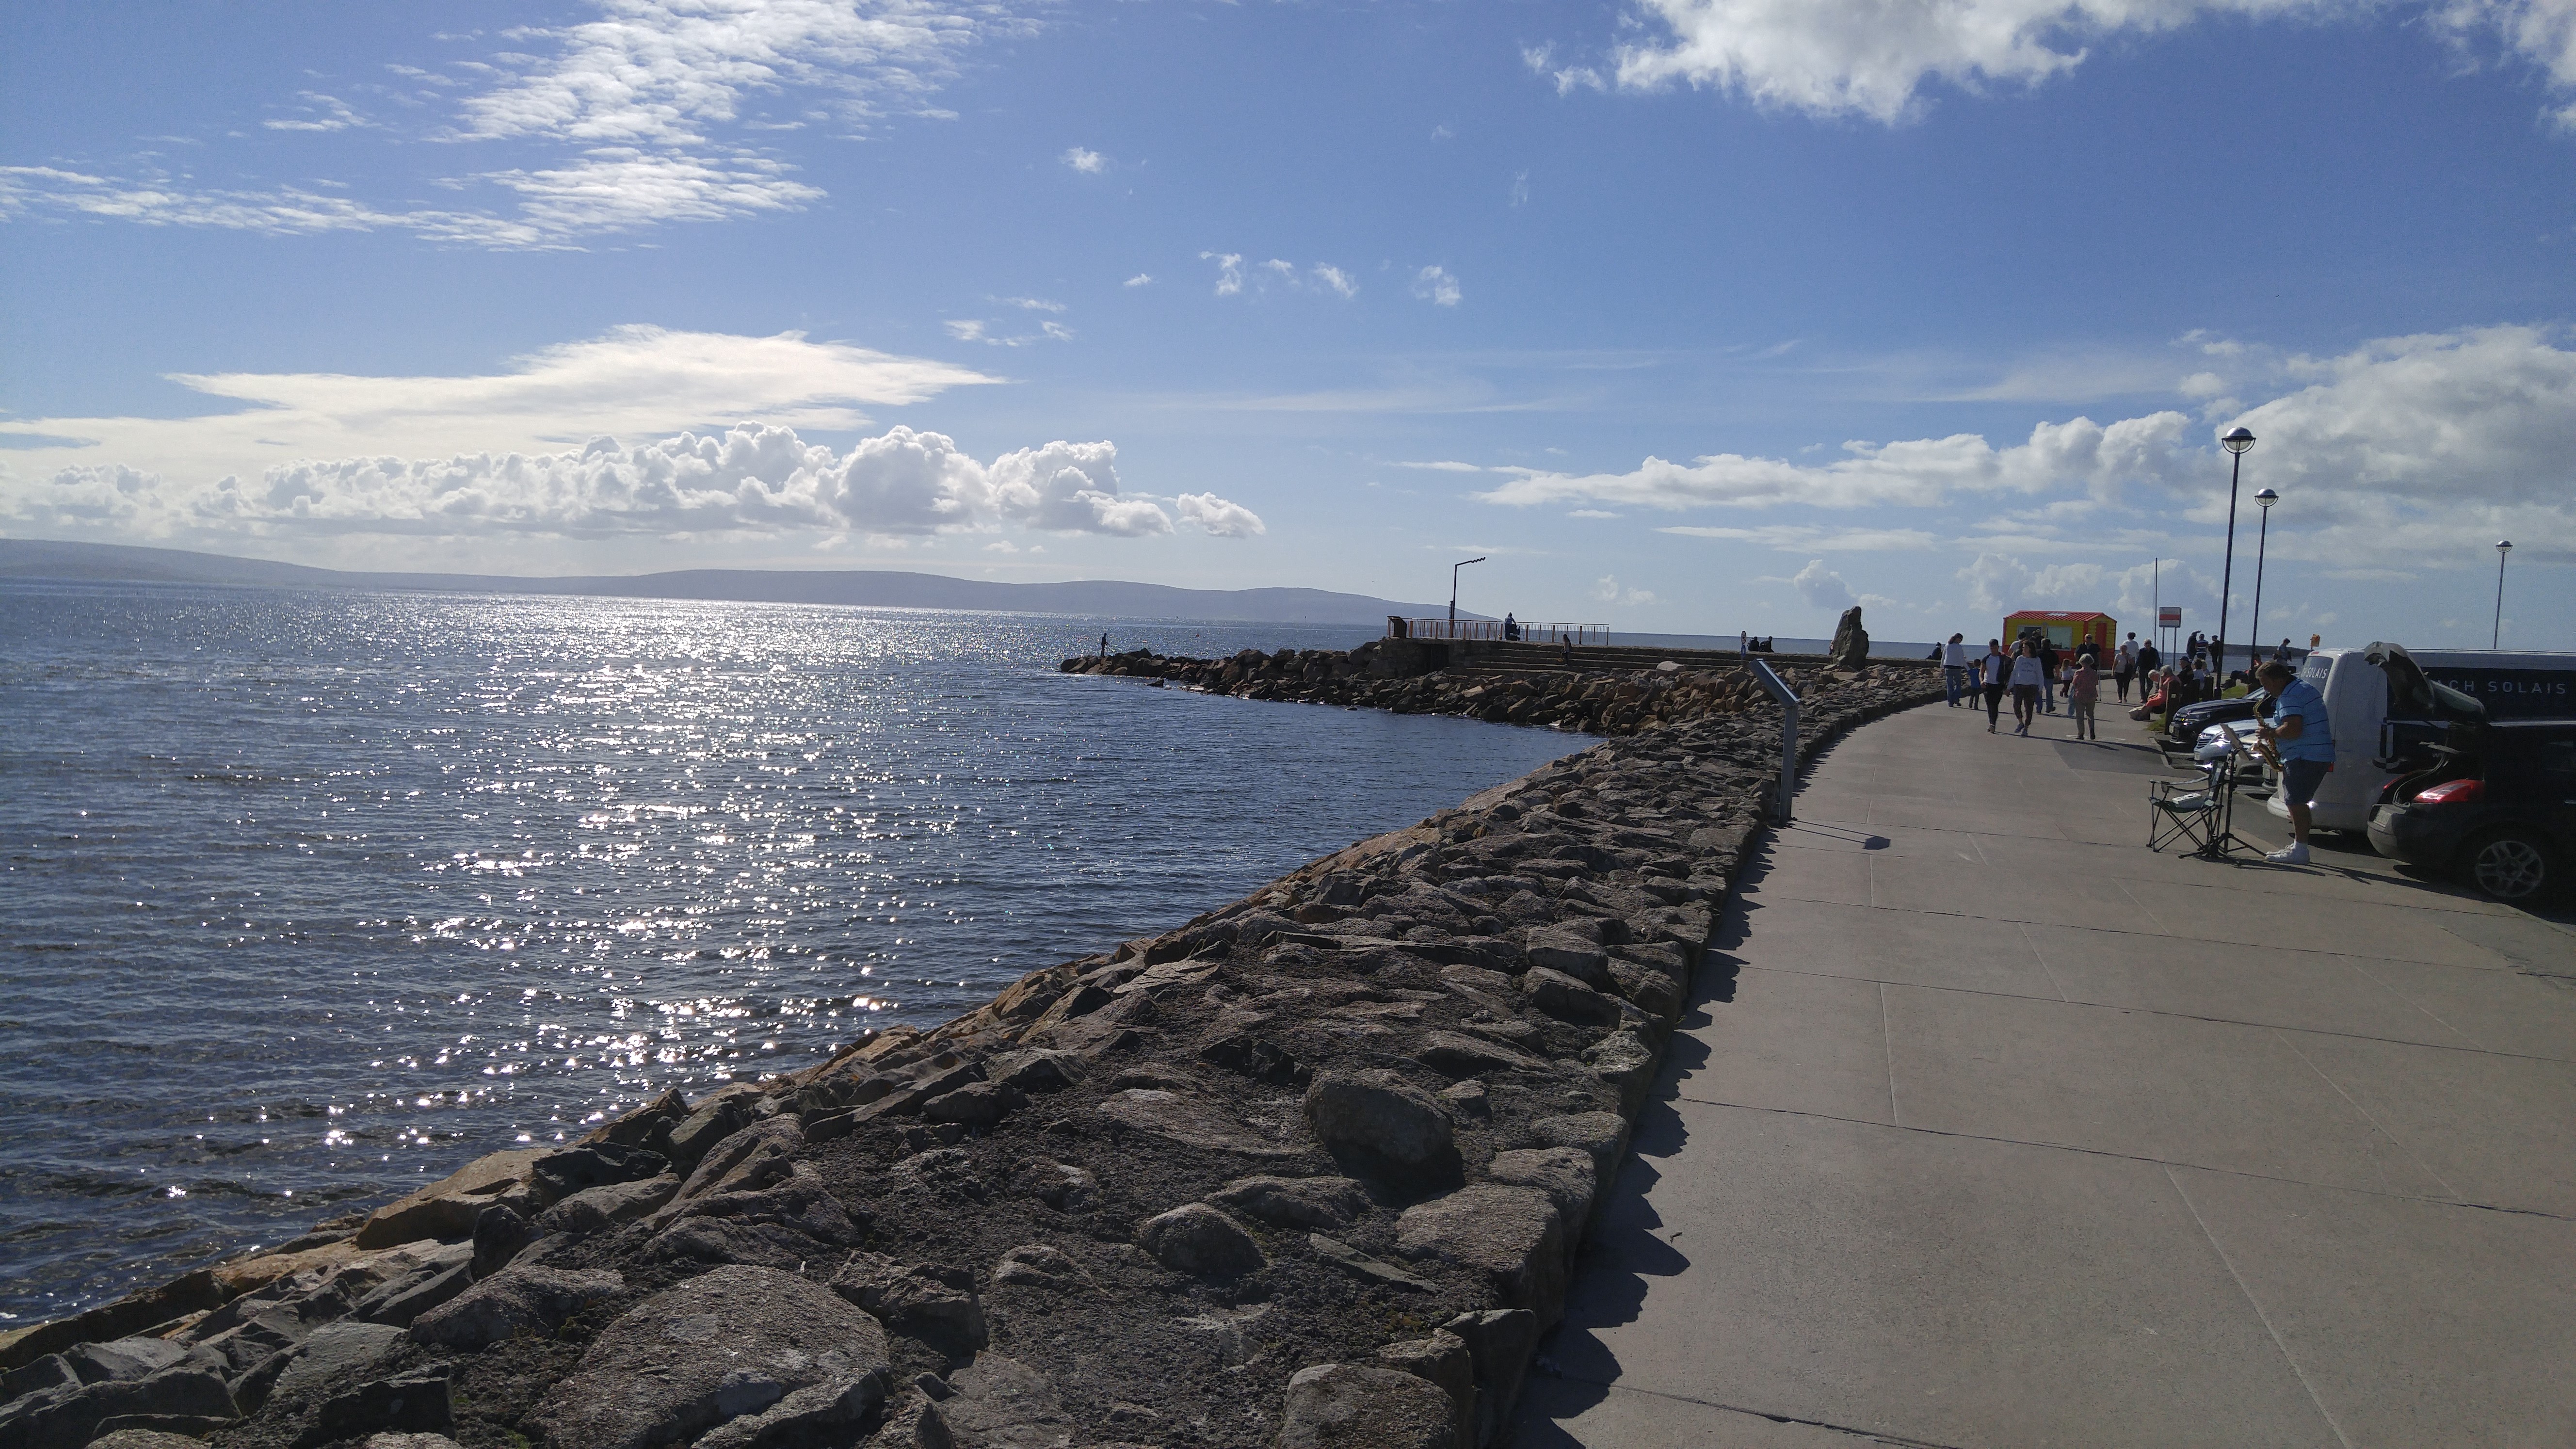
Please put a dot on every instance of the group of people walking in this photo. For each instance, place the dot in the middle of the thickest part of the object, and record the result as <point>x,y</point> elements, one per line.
<point>2033,673</point>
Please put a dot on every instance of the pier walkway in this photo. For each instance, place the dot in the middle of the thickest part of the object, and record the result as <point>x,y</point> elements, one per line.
<point>1992,1128</point>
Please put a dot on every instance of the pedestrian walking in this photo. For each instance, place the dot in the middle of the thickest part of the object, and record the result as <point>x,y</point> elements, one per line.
<point>2028,675</point>
<point>1994,675</point>
<point>2083,688</point>
<point>2048,662</point>
<point>2124,664</point>
<point>1954,666</point>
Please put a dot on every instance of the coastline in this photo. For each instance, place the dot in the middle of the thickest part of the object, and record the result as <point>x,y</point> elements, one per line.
<point>1373,1100</point>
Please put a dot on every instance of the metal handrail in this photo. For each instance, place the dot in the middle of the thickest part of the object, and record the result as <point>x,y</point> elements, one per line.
<point>1492,630</point>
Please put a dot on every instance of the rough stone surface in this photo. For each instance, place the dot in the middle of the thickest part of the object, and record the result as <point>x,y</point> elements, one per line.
<point>1356,1406</point>
<point>930,1302</point>
<point>735,1341</point>
<point>1295,1202</point>
<point>1500,1341</point>
<point>1565,1174</point>
<point>597,1209</point>
<point>1378,1125</point>
<point>1441,1359</point>
<point>1512,1234</point>
<point>448,1207</point>
<point>1198,1239</point>
<point>335,1351</point>
<point>418,1403</point>
<point>1040,1265</point>
<point>1002,1403</point>
<point>524,1299</point>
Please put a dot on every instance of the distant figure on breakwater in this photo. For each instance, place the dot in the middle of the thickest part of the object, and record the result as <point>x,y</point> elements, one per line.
<point>1511,627</point>
<point>1565,649</point>
<point>1104,646</point>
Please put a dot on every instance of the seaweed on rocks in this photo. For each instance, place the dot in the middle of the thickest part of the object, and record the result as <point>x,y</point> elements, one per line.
<point>1311,1164</point>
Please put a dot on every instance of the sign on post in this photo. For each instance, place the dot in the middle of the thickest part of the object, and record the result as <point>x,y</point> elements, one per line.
<point>2169,617</point>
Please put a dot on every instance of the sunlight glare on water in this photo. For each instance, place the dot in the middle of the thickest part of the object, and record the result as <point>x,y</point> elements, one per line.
<point>312,897</point>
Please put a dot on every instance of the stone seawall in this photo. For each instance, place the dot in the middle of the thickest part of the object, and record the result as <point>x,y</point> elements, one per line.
<point>1408,677</point>
<point>1308,1170</point>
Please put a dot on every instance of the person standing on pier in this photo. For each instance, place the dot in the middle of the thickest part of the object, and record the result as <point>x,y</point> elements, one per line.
<point>1994,675</point>
<point>1104,646</point>
<point>2125,664</point>
<point>2083,688</point>
<point>1954,666</point>
<point>2299,735</point>
<point>2028,675</point>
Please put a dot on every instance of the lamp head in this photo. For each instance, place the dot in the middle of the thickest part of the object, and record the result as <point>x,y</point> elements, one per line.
<point>2237,439</point>
<point>2504,545</point>
<point>2267,498</point>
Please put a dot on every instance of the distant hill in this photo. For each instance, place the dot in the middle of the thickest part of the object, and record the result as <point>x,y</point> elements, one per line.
<point>1097,598</point>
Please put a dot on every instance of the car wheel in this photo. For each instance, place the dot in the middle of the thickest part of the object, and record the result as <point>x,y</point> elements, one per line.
<point>2510,865</point>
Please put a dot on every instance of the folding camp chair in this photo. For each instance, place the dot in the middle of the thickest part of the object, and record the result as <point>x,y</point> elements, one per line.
<point>2180,811</point>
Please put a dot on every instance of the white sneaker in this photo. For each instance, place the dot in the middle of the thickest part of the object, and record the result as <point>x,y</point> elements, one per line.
<point>2290,854</point>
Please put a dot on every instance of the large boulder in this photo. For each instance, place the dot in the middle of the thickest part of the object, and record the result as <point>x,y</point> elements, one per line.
<point>736,1342</point>
<point>1001,1403</point>
<point>1500,1341</point>
<point>1851,642</point>
<point>525,1300</point>
<point>1441,1359</point>
<point>597,1209</point>
<point>1378,1125</point>
<point>448,1207</point>
<point>1357,1406</point>
<point>934,1304</point>
<point>1295,1202</point>
<point>1197,1239</point>
<point>1565,1174</point>
<point>191,1389</point>
<point>1512,1234</point>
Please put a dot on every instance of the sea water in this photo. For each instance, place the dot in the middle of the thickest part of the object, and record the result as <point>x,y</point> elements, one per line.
<point>309,898</point>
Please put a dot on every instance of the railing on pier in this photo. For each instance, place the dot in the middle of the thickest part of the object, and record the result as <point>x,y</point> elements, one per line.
<point>1492,629</point>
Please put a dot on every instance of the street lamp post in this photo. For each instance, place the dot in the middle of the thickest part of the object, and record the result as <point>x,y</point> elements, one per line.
<point>1453,593</point>
<point>2263,537</point>
<point>2236,441</point>
<point>2503,546</point>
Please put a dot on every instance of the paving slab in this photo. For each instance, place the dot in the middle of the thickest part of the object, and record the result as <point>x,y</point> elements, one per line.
<point>1989,1126</point>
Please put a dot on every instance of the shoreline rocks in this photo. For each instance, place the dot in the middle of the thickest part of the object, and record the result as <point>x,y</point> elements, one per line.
<point>1310,1168</point>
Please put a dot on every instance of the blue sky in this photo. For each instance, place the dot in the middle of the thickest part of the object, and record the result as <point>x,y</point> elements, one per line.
<point>1691,315</point>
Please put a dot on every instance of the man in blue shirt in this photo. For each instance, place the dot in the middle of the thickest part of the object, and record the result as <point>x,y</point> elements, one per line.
<point>2300,738</point>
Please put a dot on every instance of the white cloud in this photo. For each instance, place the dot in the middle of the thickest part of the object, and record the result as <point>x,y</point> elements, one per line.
<point>1821,587</point>
<point>1141,279</point>
<point>1217,516</point>
<point>1435,285</point>
<point>1229,271</point>
<point>1089,163</point>
<point>1596,513</point>
<point>1999,583</point>
<point>642,116</point>
<point>1796,538</point>
<point>1874,59</point>
<point>2434,445</point>
<point>636,381</point>
<point>964,329</point>
<point>754,477</point>
<point>1444,465</point>
<point>1520,188</point>
<point>1031,304</point>
<point>1922,473</point>
<point>1606,589</point>
<point>1337,280</point>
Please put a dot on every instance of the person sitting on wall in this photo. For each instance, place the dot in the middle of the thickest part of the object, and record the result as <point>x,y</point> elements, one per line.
<point>1511,627</point>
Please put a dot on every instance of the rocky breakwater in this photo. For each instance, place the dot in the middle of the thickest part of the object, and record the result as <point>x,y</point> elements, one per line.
<point>1309,1170</point>
<point>1389,675</point>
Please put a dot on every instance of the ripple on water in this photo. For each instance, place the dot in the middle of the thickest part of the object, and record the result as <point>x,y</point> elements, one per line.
<point>314,896</point>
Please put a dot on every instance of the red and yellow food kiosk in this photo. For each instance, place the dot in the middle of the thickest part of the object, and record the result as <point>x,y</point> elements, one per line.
<point>2071,631</point>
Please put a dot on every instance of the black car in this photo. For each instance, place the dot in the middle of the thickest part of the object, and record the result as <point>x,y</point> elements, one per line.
<point>2183,726</point>
<point>2498,807</point>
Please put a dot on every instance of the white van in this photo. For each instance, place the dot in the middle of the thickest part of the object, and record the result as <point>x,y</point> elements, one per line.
<point>2379,695</point>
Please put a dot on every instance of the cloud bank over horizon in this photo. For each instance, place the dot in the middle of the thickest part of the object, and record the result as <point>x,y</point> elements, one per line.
<point>533,450</point>
<point>2404,447</point>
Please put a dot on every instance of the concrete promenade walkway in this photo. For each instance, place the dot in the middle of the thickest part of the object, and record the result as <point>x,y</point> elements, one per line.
<point>1992,1128</point>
